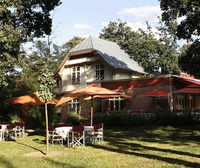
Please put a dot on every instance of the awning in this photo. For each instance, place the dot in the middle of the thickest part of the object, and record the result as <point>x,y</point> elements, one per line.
<point>188,90</point>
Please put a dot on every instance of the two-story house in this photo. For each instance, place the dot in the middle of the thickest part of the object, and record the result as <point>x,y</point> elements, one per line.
<point>93,61</point>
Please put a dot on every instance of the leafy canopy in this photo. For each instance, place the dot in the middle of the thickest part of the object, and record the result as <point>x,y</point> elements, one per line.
<point>20,21</point>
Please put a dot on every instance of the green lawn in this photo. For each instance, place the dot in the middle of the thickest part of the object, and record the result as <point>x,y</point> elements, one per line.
<point>123,147</point>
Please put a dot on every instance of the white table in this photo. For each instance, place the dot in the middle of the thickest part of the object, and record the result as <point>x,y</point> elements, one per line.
<point>64,132</point>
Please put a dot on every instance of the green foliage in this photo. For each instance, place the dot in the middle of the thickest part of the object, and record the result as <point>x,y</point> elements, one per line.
<point>75,119</point>
<point>21,20</point>
<point>72,43</point>
<point>189,11</point>
<point>152,54</point>
<point>162,117</point>
<point>190,59</point>
<point>188,28</point>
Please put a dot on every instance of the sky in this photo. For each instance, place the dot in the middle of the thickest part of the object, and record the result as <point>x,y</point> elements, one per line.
<point>88,17</point>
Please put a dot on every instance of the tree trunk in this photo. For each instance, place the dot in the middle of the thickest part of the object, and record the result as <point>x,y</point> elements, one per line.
<point>47,140</point>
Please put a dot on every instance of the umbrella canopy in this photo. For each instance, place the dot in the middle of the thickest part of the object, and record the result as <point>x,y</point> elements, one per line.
<point>94,91</point>
<point>155,93</point>
<point>32,99</point>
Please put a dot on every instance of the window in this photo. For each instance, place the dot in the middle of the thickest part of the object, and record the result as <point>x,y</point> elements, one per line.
<point>99,72</point>
<point>181,101</point>
<point>76,74</point>
<point>116,104</point>
<point>73,106</point>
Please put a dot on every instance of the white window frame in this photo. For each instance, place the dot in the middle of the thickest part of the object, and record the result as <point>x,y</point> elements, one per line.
<point>73,105</point>
<point>100,71</point>
<point>115,100</point>
<point>75,74</point>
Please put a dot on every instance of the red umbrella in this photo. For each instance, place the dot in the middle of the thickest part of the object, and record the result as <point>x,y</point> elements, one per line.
<point>94,91</point>
<point>33,99</point>
<point>155,93</point>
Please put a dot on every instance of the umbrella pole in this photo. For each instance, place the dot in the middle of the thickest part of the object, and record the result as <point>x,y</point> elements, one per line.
<point>91,110</point>
<point>46,116</point>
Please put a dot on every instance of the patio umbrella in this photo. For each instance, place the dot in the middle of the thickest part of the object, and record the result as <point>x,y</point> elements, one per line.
<point>33,99</point>
<point>155,93</point>
<point>94,91</point>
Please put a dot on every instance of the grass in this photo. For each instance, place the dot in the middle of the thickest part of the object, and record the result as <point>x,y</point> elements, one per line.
<point>123,147</point>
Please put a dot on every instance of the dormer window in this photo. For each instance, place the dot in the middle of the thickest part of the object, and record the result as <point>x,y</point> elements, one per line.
<point>76,74</point>
<point>99,72</point>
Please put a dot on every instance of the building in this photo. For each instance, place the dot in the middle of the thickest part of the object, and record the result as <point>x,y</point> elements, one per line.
<point>103,62</point>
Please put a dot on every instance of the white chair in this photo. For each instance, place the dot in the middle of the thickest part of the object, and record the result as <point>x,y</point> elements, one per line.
<point>98,132</point>
<point>1,133</point>
<point>57,138</point>
<point>78,136</point>
<point>10,132</point>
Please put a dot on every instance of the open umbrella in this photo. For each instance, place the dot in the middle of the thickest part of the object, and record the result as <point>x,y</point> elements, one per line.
<point>155,93</point>
<point>33,99</point>
<point>94,91</point>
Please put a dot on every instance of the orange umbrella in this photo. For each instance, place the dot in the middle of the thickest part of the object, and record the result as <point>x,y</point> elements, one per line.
<point>32,99</point>
<point>94,91</point>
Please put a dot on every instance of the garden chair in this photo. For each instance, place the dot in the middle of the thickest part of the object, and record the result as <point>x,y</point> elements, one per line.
<point>57,138</point>
<point>10,132</point>
<point>54,137</point>
<point>20,129</point>
<point>1,133</point>
<point>78,136</point>
<point>98,132</point>
<point>50,132</point>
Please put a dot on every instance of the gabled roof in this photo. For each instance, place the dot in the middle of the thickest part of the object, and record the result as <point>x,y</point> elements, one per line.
<point>110,52</point>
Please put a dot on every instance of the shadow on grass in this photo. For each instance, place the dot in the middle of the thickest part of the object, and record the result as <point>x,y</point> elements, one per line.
<point>6,162</point>
<point>120,140</point>
<point>31,147</point>
<point>164,135</point>
<point>57,164</point>
<point>150,156</point>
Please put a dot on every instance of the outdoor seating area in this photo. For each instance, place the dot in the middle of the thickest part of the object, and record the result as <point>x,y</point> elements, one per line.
<point>78,135</point>
<point>11,131</point>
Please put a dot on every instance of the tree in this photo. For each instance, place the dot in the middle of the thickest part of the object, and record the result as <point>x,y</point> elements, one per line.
<point>152,54</point>
<point>188,28</point>
<point>190,59</point>
<point>188,11</point>
<point>20,21</point>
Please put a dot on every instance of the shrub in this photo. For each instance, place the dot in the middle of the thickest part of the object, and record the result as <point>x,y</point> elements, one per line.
<point>75,118</point>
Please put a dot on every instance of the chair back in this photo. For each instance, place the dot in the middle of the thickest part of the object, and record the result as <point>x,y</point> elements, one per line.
<point>98,126</point>
<point>11,126</point>
<point>79,128</point>
<point>5,123</point>
<point>50,127</point>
